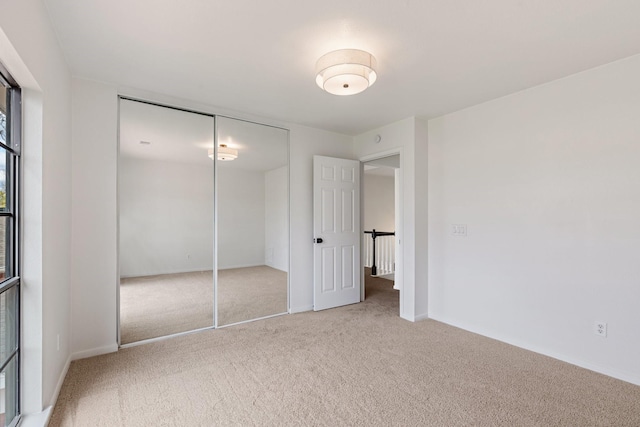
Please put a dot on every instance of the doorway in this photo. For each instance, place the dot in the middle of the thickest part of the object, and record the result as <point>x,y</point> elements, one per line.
<point>381,219</point>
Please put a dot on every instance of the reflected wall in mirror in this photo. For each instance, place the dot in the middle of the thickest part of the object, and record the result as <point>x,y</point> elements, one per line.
<point>253,222</point>
<point>166,221</point>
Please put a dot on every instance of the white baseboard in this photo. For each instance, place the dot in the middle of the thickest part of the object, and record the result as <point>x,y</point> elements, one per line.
<point>164,272</point>
<point>229,267</point>
<point>611,372</point>
<point>276,268</point>
<point>408,319</point>
<point>112,348</point>
<point>420,317</point>
<point>301,309</point>
<point>415,318</point>
<point>41,419</point>
<point>56,392</point>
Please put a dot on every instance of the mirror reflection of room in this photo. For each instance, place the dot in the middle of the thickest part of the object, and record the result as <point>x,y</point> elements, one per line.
<point>166,221</point>
<point>253,222</point>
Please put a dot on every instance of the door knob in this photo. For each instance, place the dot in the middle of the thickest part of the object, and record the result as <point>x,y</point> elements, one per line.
<point>318,240</point>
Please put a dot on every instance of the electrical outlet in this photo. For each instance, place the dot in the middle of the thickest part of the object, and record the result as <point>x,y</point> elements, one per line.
<point>459,230</point>
<point>600,328</point>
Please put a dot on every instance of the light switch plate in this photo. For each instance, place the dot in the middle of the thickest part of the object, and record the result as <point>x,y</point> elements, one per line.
<point>460,230</point>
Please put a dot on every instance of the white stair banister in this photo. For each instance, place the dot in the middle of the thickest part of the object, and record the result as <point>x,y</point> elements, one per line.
<point>380,251</point>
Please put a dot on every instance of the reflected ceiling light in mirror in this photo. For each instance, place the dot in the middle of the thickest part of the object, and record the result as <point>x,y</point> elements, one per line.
<point>346,71</point>
<point>225,153</point>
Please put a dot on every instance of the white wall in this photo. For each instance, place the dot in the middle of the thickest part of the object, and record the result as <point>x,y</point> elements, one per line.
<point>32,56</point>
<point>407,137</point>
<point>95,213</point>
<point>548,183</point>
<point>241,213</point>
<point>166,217</point>
<point>379,202</point>
<point>276,218</point>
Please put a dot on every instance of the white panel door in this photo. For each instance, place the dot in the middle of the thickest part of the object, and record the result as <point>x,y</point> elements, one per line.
<point>336,227</point>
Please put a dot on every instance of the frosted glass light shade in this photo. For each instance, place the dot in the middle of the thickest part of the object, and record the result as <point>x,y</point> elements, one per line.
<point>224,153</point>
<point>346,71</point>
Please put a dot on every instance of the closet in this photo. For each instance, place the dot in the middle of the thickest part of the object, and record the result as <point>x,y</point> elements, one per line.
<point>203,221</point>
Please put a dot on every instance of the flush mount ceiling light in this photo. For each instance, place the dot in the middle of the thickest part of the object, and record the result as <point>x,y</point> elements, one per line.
<point>224,153</point>
<point>346,71</point>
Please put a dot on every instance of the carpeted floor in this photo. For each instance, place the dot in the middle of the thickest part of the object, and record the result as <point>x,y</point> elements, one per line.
<point>354,365</point>
<point>250,293</point>
<point>155,306</point>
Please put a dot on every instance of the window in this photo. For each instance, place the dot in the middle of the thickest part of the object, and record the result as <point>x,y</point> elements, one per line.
<point>10,129</point>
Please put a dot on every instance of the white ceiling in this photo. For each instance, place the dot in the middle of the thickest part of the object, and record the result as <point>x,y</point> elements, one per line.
<point>180,136</point>
<point>258,57</point>
<point>388,162</point>
<point>173,135</point>
<point>379,171</point>
<point>384,166</point>
<point>260,147</point>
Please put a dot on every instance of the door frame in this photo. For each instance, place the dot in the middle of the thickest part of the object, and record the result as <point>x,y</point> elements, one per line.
<point>398,214</point>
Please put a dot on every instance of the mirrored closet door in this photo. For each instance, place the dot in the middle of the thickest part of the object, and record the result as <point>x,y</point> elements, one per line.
<point>252,181</point>
<point>203,220</point>
<point>166,205</point>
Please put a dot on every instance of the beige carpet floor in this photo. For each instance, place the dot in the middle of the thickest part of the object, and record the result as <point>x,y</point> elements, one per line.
<point>356,365</point>
<point>155,306</point>
<point>250,293</point>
